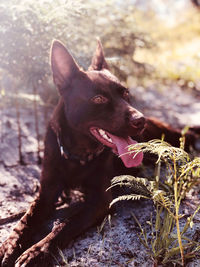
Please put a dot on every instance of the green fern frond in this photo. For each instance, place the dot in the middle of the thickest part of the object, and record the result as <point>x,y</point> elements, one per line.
<point>191,167</point>
<point>161,198</point>
<point>162,149</point>
<point>130,178</point>
<point>138,185</point>
<point>128,197</point>
<point>167,243</point>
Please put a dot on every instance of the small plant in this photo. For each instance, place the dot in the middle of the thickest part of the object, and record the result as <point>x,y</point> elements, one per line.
<point>168,242</point>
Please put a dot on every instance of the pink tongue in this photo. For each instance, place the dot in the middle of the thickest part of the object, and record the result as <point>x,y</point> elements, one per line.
<point>129,159</point>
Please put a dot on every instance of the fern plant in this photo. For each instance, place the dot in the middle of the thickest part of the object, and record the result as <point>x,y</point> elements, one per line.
<point>181,174</point>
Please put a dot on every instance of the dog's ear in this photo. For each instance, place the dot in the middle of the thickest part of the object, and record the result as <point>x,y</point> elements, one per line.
<point>98,60</point>
<point>63,65</point>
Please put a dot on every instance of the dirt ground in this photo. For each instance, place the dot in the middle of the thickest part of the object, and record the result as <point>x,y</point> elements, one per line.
<point>117,244</point>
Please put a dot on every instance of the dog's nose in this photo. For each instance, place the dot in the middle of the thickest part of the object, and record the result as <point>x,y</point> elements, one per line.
<point>137,121</point>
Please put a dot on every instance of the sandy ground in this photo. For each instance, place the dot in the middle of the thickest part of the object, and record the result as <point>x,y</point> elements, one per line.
<point>117,244</point>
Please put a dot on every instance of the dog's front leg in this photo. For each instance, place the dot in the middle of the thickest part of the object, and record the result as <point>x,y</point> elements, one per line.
<point>20,238</point>
<point>89,213</point>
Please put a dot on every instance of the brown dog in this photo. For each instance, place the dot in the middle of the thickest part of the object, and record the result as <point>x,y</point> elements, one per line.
<point>92,122</point>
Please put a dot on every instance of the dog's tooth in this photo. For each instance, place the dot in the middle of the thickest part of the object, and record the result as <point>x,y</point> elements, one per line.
<point>107,138</point>
<point>102,132</point>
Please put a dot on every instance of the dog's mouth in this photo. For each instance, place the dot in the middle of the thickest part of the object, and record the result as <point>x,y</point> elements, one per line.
<point>119,146</point>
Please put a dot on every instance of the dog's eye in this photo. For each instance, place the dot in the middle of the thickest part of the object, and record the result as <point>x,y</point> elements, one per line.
<point>99,99</point>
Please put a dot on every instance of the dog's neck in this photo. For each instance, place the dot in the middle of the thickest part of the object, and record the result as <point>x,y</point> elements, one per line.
<point>73,144</point>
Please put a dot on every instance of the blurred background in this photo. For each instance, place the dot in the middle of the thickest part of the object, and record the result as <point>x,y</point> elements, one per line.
<point>151,45</point>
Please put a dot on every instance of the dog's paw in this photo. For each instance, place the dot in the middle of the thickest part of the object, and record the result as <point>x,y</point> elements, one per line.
<point>37,255</point>
<point>1,254</point>
<point>9,252</point>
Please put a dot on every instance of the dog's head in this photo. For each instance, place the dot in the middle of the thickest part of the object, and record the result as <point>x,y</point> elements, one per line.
<point>96,103</point>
